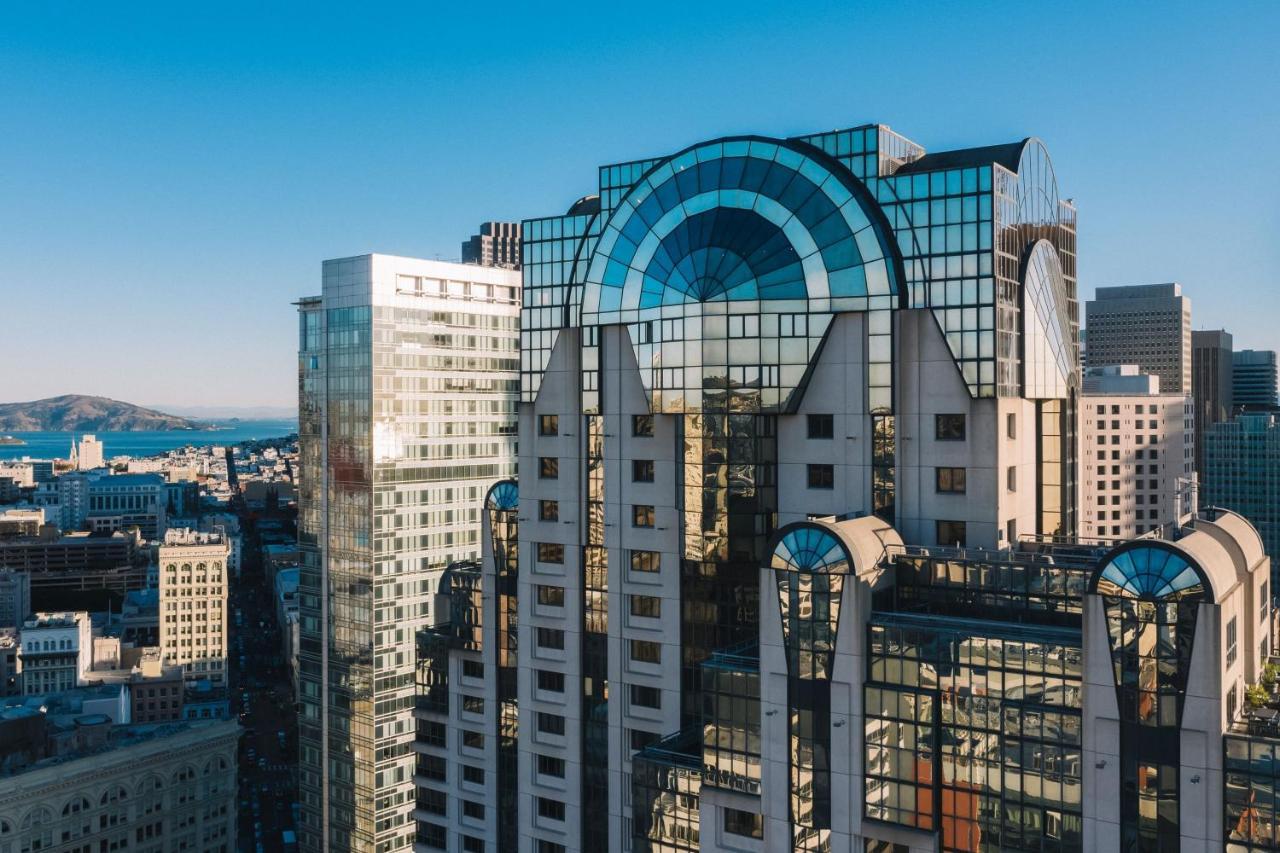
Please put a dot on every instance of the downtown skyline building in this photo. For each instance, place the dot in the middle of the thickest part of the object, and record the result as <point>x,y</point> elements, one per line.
<point>1253,379</point>
<point>1145,324</point>
<point>1242,471</point>
<point>408,381</point>
<point>1211,383</point>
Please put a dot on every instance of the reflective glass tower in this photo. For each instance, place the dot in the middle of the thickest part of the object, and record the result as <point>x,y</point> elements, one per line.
<point>407,390</point>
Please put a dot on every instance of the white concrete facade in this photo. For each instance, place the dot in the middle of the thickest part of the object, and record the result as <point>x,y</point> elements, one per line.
<point>1137,463</point>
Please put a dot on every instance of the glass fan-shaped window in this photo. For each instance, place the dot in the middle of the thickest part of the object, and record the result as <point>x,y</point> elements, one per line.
<point>810,565</point>
<point>1150,573</point>
<point>733,220</point>
<point>1048,353</point>
<point>1152,594</point>
<point>504,495</point>
<point>810,549</point>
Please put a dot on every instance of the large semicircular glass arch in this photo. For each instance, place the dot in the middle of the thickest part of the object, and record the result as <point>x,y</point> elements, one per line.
<point>742,219</point>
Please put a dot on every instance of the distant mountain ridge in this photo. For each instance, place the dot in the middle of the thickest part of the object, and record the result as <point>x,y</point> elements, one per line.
<point>223,413</point>
<point>78,412</point>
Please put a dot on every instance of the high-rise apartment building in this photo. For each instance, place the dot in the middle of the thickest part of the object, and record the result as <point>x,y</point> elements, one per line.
<point>1148,325</point>
<point>408,382</point>
<point>497,245</point>
<point>1211,380</point>
<point>86,455</point>
<point>1137,449</point>
<point>720,345</point>
<point>1253,379</point>
<point>1242,471</point>
<point>193,604</point>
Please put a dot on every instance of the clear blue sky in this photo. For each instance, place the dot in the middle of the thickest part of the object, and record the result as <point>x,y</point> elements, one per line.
<point>172,176</point>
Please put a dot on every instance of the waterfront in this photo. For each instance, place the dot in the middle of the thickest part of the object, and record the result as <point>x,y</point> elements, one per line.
<point>57,445</point>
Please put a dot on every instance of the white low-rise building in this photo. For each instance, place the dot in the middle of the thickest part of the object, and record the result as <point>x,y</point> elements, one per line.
<point>56,650</point>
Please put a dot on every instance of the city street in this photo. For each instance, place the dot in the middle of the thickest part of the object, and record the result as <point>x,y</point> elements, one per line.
<point>263,696</point>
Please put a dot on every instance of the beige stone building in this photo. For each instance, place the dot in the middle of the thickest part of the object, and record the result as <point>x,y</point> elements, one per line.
<point>193,604</point>
<point>143,789</point>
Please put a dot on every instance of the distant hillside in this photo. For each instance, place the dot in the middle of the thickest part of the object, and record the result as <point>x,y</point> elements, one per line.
<point>76,412</point>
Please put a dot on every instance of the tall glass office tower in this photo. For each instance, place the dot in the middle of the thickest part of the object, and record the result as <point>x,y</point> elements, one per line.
<point>407,395</point>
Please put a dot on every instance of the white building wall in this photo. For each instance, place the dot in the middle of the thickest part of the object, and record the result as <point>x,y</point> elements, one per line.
<point>1120,497</point>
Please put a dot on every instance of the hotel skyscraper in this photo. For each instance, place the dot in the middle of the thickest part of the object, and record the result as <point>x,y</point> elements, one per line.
<point>791,563</point>
<point>408,380</point>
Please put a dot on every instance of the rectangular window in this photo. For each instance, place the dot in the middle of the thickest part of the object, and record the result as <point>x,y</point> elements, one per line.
<point>1011,425</point>
<point>548,468</point>
<point>649,606</point>
<point>550,552</point>
<point>642,426</point>
<point>474,775</point>
<point>950,481</point>
<point>1264,601</point>
<point>951,534</point>
<point>551,766</point>
<point>473,704</point>
<point>472,669</point>
<point>549,510</point>
<point>432,835</point>
<point>646,651</point>
<point>552,682</point>
<point>550,638</point>
<point>545,846</point>
<point>642,515</point>
<point>1231,641</point>
<point>948,427</point>
<point>550,596</point>
<point>433,766</point>
<point>738,822</point>
<point>552,724</point>
<point>642,470</point>
<point>646,697</point>
<point>473,810</point>
<point>822,426</point>
<point>432,734</point>
<point>821,476</point>
<point>472,740</point>
<point>645,561</point>
<point>548,425</point>
<point>471,844</point>
<point>553,809</point>
<point>1011,478</point>
<point>641,739</point>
